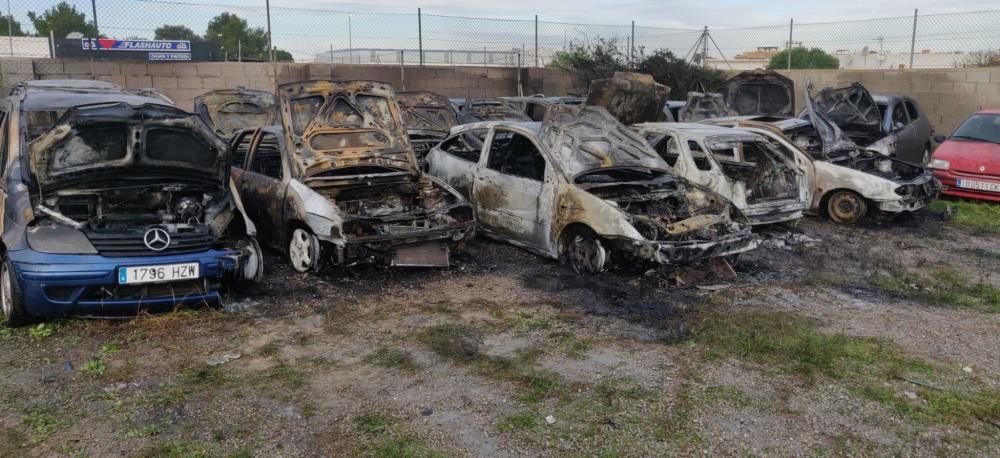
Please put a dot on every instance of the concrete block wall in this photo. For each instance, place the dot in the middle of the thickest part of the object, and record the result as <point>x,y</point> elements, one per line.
<point>947,97</point>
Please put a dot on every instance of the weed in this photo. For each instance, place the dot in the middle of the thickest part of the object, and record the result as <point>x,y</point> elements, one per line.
<point>393,358</point>
<point>287,375</point>
<point>269,349</point>
<point>6,333</point>
<point>374,423</point>
<point>41,331</point>
<point>146,431</point>
<point>941,287</point>
<point>982,216</point>
<point>389,440</point>
<point>453,341</point>
<point>165,395</point>
<point>42,422</point>
<point>207,375</point>
<point>176,449</point>
<point>94,367</point>
<point>110,348</point>
<point>521,421</point>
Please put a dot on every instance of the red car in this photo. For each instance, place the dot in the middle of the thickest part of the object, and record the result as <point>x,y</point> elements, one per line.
<point>968,162</point>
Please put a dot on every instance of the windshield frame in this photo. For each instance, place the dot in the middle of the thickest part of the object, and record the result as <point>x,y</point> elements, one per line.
<point>996,122</point>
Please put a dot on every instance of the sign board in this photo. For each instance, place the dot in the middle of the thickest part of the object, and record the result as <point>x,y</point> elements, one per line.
<point>111,44</point>
<point>162,56</point>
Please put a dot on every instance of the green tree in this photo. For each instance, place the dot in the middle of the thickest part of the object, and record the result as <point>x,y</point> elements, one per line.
<point>175,32</point>
<point>233,34</point>
<point>61,20</point>
<point>593,61</point>
<point>679,75</point>
<point>280,55</point>
<point>9,24</point>
<point>803,58</point>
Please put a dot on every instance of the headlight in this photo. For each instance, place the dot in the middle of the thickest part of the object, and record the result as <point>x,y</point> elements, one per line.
<point>58,239</point>
<point>939,164</point>
<point>903,190</point>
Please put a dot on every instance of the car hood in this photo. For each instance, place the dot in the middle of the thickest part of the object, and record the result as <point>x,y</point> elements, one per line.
<point>492,109</point>
<point>93,142</point>
<point>427,111</point>
<point>852,108</point>
<point>981,158</point>
<point>585,138</point>
<point>631,97</point>
<point>761,92</point>
<point>701,106</point>
<point>830,134</point>
<point>230,110</point>
<point>333,127</point>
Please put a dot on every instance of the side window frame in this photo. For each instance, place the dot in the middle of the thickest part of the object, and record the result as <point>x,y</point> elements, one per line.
<point>461,137</point>
<point>912,110</point>
<point>4,138</point>
<point>255,148</point>
<point>489,154</point>
<point>233,144</point>
<point>900,107</point>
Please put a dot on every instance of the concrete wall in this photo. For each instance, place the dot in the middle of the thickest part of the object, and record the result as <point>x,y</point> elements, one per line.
<point>183,81</point>
<point>947,97</point>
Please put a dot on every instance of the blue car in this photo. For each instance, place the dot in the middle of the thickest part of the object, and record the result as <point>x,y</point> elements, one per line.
<point>114,203</point>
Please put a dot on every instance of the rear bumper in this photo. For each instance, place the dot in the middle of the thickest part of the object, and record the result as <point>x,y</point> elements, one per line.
<point>87,285</point>
<point>949,185</point>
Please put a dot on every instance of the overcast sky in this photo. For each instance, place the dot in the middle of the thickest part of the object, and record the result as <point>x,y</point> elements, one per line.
<point>663,13</point>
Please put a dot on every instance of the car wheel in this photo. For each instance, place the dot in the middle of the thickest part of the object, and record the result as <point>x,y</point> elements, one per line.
<point>303,250</point>
<point>253,269</point>
<point>585,253</point>
<point>11,301</point>
<point>846,207</point>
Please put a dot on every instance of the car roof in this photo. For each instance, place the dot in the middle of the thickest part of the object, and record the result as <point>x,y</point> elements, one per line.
<point>989,111</point>
<point>534,127</point>
<point>43,95</point>
<point>693,129</point>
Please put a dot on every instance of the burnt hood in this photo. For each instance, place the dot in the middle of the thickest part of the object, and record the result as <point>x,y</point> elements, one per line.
<point>118,141</point>
<point>227,111</point>
<point>587,138</point>
<point>701,106</point>
<point>334,127</point>
<point>761,92</point>
<point>835,141</point>
<point>633,98</point>
<point>492,109</point>
<point>852,108</point>
<point>427,111</point>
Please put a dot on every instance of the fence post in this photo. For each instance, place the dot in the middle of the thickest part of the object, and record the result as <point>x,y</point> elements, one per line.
<point>631,49</point>
<point>913,40</point>
<point>270,44</point>
<point>10,30</point>
<point>97,32</point>
<point>536,40</point>
<point>420,36</point>
<point>402,74</point>
<point>791,27</point>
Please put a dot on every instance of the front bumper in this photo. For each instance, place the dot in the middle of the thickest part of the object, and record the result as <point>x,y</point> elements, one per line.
<point>687,252</point>
<point>87,285</point>
<point>771,213</point>
<point>949,185</point>
<point>921,194</point>
<point>383,248</point>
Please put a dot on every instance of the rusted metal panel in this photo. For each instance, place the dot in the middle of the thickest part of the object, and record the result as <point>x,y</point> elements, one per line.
<point>229,110</point>
<point>630,97</point>
<point>761,92</point>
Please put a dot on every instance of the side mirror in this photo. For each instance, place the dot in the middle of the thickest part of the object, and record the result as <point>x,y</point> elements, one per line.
<point>899,126</point>
<point>940,138</point>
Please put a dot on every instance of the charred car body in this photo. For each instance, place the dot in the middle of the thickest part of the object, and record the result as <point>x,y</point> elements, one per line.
<point>763,184</point>
<point>890,124</point>
<point>537,105</point>
<point>874,182</point>
<point>490,109</point>
<point>582,187</point>
<point>338,181</point>
<point>230,110</point>
<point>630,97</point>
<point>762,93</point>
<point>114,203</point>
<point>428,118</point>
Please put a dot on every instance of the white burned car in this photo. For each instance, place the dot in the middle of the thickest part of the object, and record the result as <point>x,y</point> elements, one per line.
<point>765,185</point>
<point>580,186</point>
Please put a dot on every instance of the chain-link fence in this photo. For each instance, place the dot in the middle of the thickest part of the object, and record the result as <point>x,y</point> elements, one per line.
<point>242,32</point>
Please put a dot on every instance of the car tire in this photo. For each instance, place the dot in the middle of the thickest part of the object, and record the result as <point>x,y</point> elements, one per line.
<point>584,251</point>
<point>846,207</point>
<point>253,270</point>
<point>303,250</point>
<point>11,300</point>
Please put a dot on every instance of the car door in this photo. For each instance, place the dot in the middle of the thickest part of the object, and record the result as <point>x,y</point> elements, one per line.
<point>239,149</point>
<point>902,128</point>
<point>696,163</point>
<point>456,159</point>
<point>922,131</point>
<point>513,191</point>
<point>262,187</point>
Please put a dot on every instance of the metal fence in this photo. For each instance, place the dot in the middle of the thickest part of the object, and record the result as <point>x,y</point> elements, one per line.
<point>417,38</point>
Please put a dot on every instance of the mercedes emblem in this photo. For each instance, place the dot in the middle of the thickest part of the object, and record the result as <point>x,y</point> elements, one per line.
<point>156,239</point>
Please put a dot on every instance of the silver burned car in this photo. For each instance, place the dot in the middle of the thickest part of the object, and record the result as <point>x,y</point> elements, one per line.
<point>582,187</point>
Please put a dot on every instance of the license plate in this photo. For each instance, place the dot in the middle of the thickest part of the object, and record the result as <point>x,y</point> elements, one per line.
<point>979,185</point>
<point>157,274</point>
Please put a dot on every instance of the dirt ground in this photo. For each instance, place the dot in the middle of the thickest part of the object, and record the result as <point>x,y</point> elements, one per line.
<point>874,340</point>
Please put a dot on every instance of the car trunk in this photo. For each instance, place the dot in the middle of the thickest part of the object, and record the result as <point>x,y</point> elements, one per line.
<point>761,92</point>
<point>428,118</point>
<point>228,111</point>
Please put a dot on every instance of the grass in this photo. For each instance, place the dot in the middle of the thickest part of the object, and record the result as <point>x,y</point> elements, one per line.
<point>387,438</point>
<point>871,367</point>
<point>42,331</point>
<point>167,395</point>
<point>521,421</point>
<point>269,349</point>
<point>176,449</point>
<point>393,358</point>
<point>941,286</point>
<point>94,367</point>
<point>42,422</point>
<point>461,344</point>
<point>983,216</point>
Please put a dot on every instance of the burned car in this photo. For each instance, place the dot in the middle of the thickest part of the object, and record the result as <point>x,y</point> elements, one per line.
<point>428,118</point>
<point>702,105</point>
<point>761,93</point>
<point>338,181</point>
<point>890,124</point>
<point>848,181</point>
<point>489,109</point>
<point>114,204</point>
<point>630,97</point>
<point>227,111</point>
<point>582,187</point>
<point>537,105</point>
<point>763,184</point>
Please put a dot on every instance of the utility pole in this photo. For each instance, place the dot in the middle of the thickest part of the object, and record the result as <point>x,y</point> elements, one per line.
<point>913,40</point>
<point>10,29</point>
<point>350,42</point>
<point>704,52</point>
<point>420,36</point>
<point>270,44</point>
<point>631,49</point>
<point>791,27</point>
<point>536,39</point>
